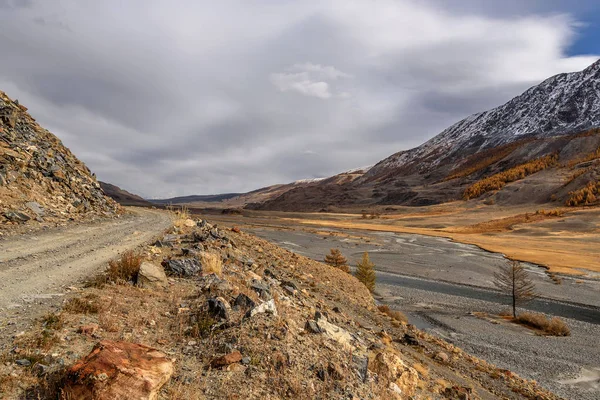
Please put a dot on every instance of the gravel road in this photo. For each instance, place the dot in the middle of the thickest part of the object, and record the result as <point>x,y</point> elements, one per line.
<point>36,270</point>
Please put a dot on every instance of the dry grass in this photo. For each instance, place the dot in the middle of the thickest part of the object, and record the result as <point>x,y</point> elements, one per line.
<point>124,269</point>
<point>180,215</point>
<point>83,305</point>
<point>553,327</point>
<point>395,315</point>
<point>211,263</point>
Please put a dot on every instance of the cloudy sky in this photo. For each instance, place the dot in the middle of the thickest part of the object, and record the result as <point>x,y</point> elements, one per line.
<point>169,98</point>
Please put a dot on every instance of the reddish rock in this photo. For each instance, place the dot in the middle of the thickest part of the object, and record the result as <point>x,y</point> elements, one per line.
<point>88,329</point>
<point>118,370</point>
<point>223,361</point>
<point>235,229</point>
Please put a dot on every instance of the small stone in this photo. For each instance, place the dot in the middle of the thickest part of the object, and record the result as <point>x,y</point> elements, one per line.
<point>88,329</point>
<point>23,362</point>
<point>266,307</point>
<point>441,356</point>
<point>311,326</point>
<point>235,229</point>
<point>262,289</point>
<point>223,361</point>
<point>243,301</point>
<point>246,360</point>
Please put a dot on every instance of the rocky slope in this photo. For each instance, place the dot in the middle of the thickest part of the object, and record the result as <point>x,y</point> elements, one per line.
<point>563,104</point>
<point>41,181</point>
<point>122,196</point>
<point>235,316</point>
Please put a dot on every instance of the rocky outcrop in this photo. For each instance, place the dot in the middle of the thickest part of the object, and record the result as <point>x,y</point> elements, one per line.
<point>40,179</point>
<point>151,276</point>
<point>119,370</point>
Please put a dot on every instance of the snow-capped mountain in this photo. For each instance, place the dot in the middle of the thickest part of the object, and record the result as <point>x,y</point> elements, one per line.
<point>563,104</point>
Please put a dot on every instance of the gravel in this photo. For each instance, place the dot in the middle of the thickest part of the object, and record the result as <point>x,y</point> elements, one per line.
<point>548,360</point>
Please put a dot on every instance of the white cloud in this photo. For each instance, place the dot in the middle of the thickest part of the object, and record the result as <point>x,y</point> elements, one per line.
<point>300,83</point>
<point>309,80</point>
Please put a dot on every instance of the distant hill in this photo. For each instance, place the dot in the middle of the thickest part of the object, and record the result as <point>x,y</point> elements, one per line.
<point>196,198</point>
<point>40,179</point>
<point>123,197</point>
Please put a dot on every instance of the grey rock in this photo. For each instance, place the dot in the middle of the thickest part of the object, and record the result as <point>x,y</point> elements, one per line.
<point>183,267</point>
<point>290,290</point>
<point>219,307</point>
<point>291,284</point>
<point>311,326</point>
<point>361,365</point>
<point>243,301</point>
<point>35,207</point>
<point>16,216</point>
<point>215,233</point>
<point>262,289</point>
<point>23,362</point>
<point>246,360</point>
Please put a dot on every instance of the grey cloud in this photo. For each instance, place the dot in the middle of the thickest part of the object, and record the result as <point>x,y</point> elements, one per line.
<point>171,101</point>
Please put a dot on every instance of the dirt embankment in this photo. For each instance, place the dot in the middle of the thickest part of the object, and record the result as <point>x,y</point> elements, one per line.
<point>241,316</point>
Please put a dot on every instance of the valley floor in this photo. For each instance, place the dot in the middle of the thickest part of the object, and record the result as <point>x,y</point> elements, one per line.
<point>567,243</point>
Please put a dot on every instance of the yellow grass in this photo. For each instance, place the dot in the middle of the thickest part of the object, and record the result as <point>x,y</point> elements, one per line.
<point>559,251</point>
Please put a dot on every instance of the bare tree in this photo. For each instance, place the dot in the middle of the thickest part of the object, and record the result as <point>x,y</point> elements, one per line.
<point>514,280</point>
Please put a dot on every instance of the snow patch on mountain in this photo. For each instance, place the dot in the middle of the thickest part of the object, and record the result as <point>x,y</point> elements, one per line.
<point>563,104</point>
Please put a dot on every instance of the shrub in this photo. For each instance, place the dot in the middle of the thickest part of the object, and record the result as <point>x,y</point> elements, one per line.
<point>52,321</point>
<point>557,327</point>
<point>396,315</point>
<point>483,160</point>
<point>499,180</point>
<point>124,269</point>
<point>337,260</point>
<point>83,305</point>
<point>211,263</point>
<point>584,196</point>
<point>553,327</point>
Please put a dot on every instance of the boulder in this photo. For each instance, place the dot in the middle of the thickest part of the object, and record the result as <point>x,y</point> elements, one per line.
<point>36,208</point>
<point>219,307</point>
<point>183,267</point>
<point>243,301</point>
<point>118,370</point>
<point>334,332</point>
<point>16,216</point>
<point>391,368</point>
<point>266,307</point>
<point>262,289</point>
<point>151,276</point>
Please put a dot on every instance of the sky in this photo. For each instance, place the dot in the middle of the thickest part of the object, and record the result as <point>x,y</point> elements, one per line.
<point>171,98</point>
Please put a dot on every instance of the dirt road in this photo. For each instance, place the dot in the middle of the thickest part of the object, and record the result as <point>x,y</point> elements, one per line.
<point>37,269</point>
